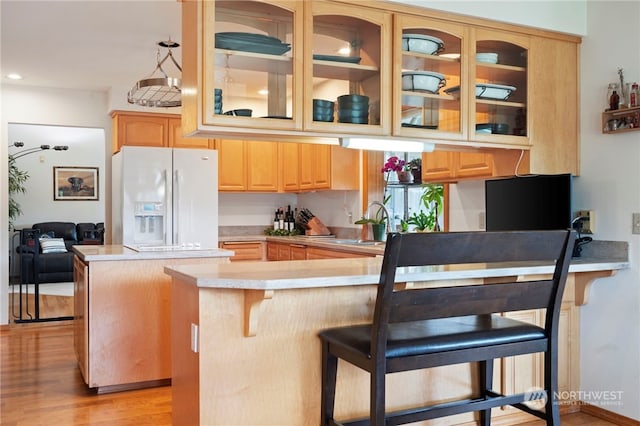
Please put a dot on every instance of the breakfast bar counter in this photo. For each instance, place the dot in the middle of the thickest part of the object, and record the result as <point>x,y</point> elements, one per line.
<point>246,351</point>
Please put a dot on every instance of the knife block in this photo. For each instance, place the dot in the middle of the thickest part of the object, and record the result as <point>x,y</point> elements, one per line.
<point>316,227</point>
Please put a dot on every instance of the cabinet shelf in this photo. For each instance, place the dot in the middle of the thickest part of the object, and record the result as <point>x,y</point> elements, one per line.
<point>343,71</point>
<point>621,120</point>
<point>250,61</point>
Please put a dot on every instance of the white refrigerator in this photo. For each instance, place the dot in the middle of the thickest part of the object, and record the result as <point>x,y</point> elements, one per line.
<point>165,198</point>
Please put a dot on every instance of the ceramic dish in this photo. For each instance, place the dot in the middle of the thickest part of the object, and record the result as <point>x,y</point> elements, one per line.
<point>251,44</point>
<point>347,59</point>
<point>423,81</point>
<point>487,91</point>
<point>421,43</point>
<point>352,98</point>
<point>489,58</point>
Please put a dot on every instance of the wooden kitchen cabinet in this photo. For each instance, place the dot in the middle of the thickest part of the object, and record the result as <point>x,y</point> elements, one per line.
<point>448,166</point>
<point>250,166</point>
<point>530,60</point>
<point>122,320</point>
<point>286,251</point>
<point>176,140</point>
<point>152,130</point>
<point>245,250</point>
<point>365,70</point>
<point>420,113</point>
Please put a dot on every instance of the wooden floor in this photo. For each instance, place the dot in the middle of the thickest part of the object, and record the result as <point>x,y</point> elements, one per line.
<point>40,383</point>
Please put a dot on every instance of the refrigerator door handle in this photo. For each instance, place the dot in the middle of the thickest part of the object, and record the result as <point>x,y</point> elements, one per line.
<point>176,209</point>
<point>167,204</point>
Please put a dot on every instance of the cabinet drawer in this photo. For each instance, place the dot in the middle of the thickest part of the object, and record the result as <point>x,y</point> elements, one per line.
<point>253,250</point>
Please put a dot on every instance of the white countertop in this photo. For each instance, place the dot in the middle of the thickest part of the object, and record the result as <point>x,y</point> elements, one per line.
<point>352,271</point>
<point>88,253</point>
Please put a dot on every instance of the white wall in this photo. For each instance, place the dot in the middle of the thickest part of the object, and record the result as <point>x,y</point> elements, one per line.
<point>51,107</point>
<point>610,185</point>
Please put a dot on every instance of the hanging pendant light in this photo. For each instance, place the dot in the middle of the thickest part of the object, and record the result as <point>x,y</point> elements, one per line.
<point>158,91</point>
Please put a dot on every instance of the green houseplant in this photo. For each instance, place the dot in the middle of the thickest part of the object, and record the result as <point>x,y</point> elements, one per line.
<point>432,199</point>
<point>17,179</point>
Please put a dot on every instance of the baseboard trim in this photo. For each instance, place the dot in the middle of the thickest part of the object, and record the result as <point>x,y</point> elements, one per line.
<point>607,415</point>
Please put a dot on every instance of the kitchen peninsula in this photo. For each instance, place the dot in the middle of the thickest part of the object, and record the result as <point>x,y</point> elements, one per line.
<point>122,313</point>
<point>245,346</point>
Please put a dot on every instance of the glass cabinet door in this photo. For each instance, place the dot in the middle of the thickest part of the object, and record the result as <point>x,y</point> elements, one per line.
<point>500,87</point>
<point>429,61</point>
<point>251,60</point>
<point>347,68</point>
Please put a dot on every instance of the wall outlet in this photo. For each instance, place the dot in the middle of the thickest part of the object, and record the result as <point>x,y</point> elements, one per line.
<point>635,224</point>
<point>588,224</point>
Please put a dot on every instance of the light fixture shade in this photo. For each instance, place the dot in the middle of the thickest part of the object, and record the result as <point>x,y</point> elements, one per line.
<point>378,144</point>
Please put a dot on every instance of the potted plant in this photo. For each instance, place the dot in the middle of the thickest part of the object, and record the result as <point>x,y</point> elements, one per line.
<point>378,221</point>
<point>401,167</point>
<point>432,200</point>
<point>415,165</point>
<point>17,179</point>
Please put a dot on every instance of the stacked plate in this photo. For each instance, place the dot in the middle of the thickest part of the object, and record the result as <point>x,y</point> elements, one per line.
<point>250,42</point>
<point>322,110</point>
<point>353,109</point>
<point>217,101</point>
<point>489,58</point>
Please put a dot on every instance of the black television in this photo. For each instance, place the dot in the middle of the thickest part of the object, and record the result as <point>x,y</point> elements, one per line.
<point>529,202</point>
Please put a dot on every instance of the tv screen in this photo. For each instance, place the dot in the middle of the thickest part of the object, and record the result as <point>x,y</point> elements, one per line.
<point>533,202</point>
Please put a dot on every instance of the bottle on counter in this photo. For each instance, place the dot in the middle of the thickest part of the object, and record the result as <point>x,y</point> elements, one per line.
<point>281,219</point>
<point>276,222</point>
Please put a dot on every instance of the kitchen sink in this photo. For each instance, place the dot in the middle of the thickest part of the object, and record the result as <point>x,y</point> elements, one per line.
<point>358,242</point>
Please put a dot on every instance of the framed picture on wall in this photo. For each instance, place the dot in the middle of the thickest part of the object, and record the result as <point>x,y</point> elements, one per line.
<point>75,184</point>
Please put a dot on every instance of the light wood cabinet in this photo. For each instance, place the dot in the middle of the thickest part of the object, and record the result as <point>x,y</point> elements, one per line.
<point>452,166</point>
<point>152,130</point>
<point>247,165</point>
<point>245,250</point>
<point>122,321</point>
<point>530,60</point>
<point>309,167</point>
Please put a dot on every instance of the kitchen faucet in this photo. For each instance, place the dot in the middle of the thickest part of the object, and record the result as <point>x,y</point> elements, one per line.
<point>386,212</point>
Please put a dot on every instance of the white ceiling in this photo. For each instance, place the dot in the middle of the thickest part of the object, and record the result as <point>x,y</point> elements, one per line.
<point>86,44</point>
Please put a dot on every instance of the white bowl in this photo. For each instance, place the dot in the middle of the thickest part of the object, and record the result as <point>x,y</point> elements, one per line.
<point>490,58</point>
<point>486,91</point>
<point>421,44</point>
<point>493,91</point>
<point>423,81</point>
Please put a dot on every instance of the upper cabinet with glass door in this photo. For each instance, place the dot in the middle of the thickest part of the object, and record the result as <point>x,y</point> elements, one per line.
<point>428,59</point>
<point>252,64</point>
<point>501,83</point>
<point>347,69</point>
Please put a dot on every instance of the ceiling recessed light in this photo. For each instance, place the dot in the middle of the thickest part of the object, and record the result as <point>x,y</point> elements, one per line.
<point>263,92</point>
<point>14,76</point>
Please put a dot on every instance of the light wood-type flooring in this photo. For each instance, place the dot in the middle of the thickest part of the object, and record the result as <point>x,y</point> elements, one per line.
<point>40,383</point>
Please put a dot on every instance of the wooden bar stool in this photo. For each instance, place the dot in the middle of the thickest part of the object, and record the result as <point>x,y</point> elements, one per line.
<point>420,328</point>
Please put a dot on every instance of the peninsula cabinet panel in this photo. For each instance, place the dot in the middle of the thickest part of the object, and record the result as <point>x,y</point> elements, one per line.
<point>452,166</point>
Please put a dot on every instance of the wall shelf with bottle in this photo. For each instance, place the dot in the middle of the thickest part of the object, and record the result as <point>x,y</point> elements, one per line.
<point>621,120</point>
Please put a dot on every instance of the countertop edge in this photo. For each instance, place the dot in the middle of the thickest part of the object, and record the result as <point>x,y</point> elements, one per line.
<point>347,272</point>
<point>90,253</point>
